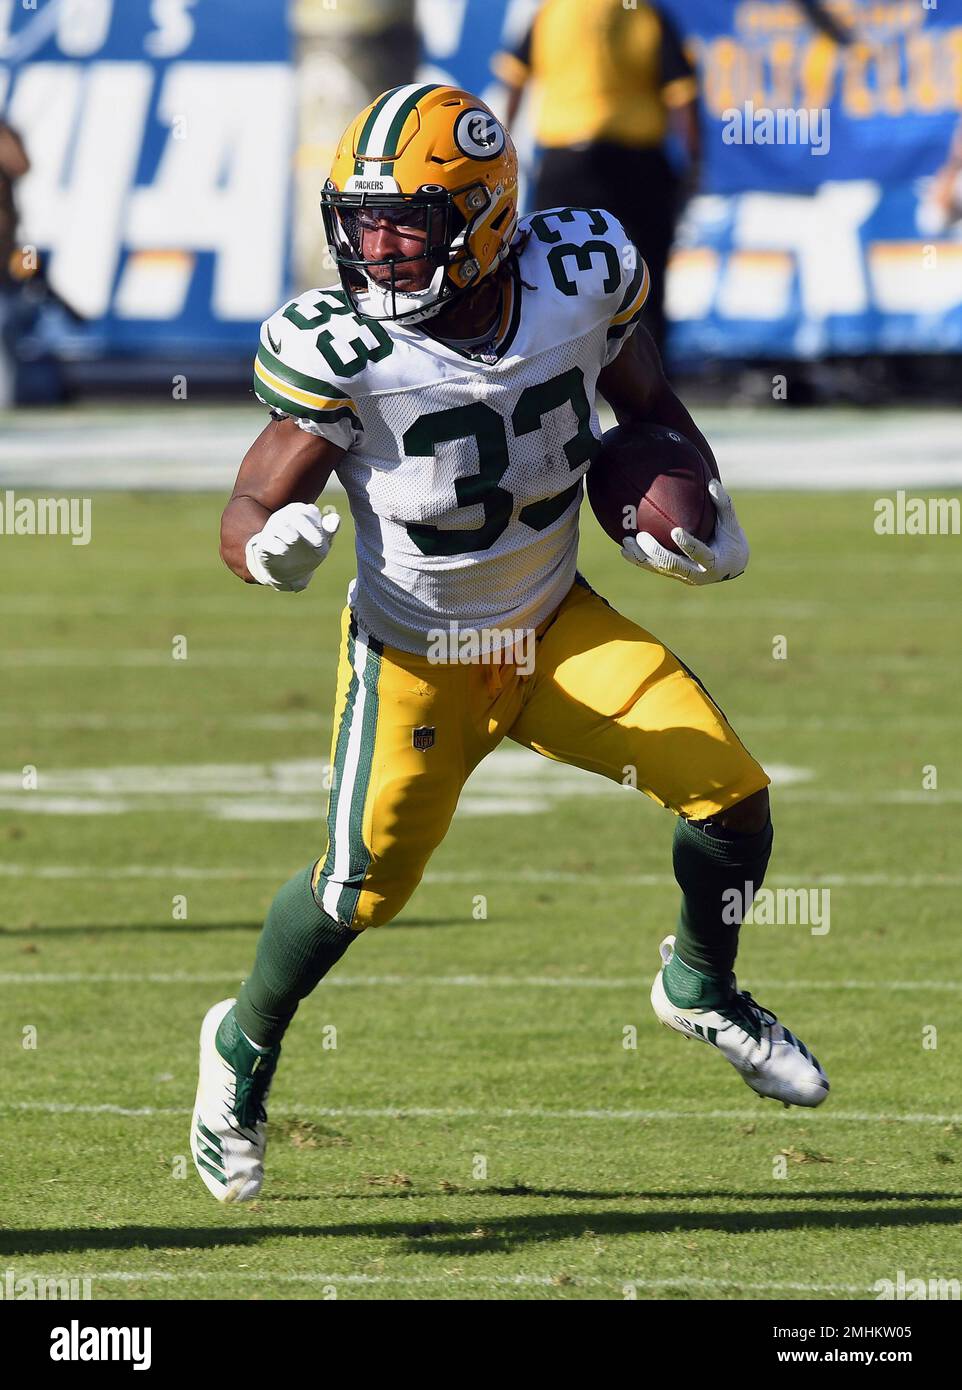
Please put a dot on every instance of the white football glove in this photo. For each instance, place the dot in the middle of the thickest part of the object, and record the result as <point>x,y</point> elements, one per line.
<point>294,541</point>
<point>723,557</point>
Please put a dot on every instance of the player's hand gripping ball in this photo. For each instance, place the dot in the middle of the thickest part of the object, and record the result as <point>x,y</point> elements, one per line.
<point>656,496</point>
<point>724,556</point>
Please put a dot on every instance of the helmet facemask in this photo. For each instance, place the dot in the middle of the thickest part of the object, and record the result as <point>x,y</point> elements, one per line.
<point>433,212</point>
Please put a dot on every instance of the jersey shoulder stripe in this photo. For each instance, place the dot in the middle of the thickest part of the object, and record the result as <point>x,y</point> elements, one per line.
<point>595,265</point>
<point>630,309</point>
<point>636,290</point>
<point>314,364</point>
<point>587,256</point>
<point>296,393</point>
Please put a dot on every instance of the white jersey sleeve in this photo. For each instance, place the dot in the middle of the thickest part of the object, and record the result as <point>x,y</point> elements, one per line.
<point>596,266</point>
<point>310,365</point>
<point>627,301</point>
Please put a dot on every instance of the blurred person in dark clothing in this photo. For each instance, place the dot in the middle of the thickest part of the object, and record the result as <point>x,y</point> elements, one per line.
<point>34,318</point>
<point>609,81</point>
<point>941,208</point>
<point>13,165</point>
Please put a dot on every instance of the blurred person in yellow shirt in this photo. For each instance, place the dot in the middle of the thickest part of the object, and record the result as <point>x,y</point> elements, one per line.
<point>610,80</point>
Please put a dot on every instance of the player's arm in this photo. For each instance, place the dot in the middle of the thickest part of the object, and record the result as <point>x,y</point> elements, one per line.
<point>271,531</point>
<point>637,390</point>
<point>13,157</point>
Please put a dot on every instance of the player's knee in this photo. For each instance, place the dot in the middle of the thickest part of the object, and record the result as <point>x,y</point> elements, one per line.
<point>746,817</point>
<point>372,914</point>
<point>376,908</point>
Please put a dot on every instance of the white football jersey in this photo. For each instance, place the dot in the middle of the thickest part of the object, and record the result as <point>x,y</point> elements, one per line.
<point>464,473</point>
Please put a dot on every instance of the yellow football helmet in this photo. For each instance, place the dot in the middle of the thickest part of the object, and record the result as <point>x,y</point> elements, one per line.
<point>433,159</point>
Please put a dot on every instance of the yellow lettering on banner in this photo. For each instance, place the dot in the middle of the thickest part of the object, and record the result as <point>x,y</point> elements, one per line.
<point>953,53</point>
<point>777,66</point>
<point>819,66</point>
<point>754,81</point>
<point>781,57</point>
<point>890,80</point>
<point>769,17</point>
<point>855,94</point>
<point>911,15</point>
<point>923,87</point>
<point>720,87</point>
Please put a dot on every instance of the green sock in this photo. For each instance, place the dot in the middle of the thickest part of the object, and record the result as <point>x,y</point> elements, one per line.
<point>712,869</point>
<point>296,949</point>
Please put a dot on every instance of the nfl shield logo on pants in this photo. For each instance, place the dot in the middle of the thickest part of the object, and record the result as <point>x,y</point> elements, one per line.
<point>423,738</point>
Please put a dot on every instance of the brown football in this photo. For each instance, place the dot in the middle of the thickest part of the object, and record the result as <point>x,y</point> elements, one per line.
<point>650,478</point>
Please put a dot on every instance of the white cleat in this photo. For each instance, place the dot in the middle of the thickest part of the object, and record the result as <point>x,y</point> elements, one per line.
<point>228,1132</point>
<point>766,1055</point>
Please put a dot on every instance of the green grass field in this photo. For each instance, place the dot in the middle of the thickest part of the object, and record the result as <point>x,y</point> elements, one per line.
<point>480,1130</point>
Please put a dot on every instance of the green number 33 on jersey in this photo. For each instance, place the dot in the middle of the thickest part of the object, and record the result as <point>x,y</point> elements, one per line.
<point>343,358</point>
<point>485,426</point>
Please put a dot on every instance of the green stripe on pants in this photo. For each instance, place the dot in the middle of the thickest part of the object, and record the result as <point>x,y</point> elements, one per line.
<point>337,771</point>
<point>360,856</point>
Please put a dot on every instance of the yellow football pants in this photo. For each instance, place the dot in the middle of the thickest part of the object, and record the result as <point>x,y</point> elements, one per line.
<point>604,694</point>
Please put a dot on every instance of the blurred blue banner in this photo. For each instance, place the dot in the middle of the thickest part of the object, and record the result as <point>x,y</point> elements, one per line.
<point>815,236</point>
<point>812,234</point>
<point>161,133</point>
<point>881,106</point>
<point>160,138</point>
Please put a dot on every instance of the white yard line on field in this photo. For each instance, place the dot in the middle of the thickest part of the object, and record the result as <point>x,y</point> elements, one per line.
<point>512,781</point>
<point>483,797</point>
<point>320,720</point>
<point>448,1112</point>
<point>57,605</point>
<point>616,1282</point>
<point>240,873</point>
<point>104,658</point>
<point>894,796</point>
<point>228,977</point>
<point>198,448</point>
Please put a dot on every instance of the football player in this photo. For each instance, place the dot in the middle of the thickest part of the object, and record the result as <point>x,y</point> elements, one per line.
<point>450,383</point>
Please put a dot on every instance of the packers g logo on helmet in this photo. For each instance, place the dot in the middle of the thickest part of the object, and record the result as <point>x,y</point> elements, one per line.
<point>436,163</point>
<point>478,134</point>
